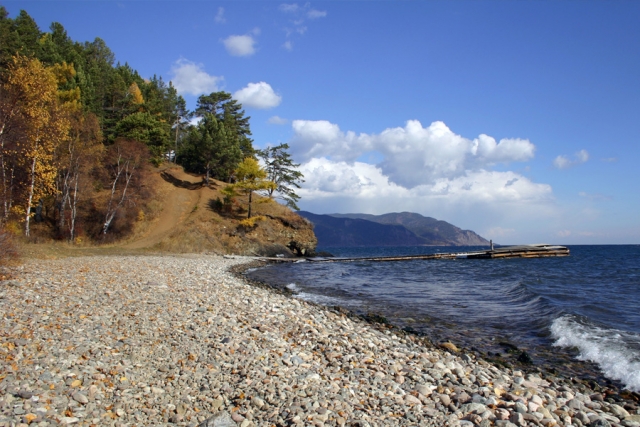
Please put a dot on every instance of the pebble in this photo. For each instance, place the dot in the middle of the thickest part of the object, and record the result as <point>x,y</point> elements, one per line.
<point>157,340</point>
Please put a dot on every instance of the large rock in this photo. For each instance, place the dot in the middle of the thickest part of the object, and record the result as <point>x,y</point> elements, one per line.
<point>221,419</point>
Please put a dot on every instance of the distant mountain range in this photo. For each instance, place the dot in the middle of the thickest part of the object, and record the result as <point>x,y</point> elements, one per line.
<point>392,229</point>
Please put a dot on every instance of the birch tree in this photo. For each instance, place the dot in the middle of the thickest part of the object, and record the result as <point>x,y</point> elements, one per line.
<point>42,127</point>
<point>125,159</point>
<point>79,153</point>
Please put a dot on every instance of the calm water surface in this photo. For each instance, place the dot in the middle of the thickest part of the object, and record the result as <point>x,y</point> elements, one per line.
<point>586,306</point>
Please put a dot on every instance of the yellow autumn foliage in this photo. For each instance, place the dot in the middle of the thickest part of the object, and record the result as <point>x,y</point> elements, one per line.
<point>44,124</point>
<point>251,222</point>
<point>136,94</point>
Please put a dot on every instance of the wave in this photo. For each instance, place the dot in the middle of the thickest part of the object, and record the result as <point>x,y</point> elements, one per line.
<point>326,300</point>
<point>616,352</point>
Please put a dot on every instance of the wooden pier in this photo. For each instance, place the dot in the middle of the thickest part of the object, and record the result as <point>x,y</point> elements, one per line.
<point>521,251</point>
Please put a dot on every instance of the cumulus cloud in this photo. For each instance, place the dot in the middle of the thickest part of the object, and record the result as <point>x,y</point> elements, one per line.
<point>412,155</point>
<point>240,45</point>
<point>482,197</point>
<point>426,169</point>
<point>220,19</point>
<point>275,120</point>
<point>325,177</point>
<point>288,45</point>
<point>564,162</point>
<point>191,78</point>
<point>258,95</point>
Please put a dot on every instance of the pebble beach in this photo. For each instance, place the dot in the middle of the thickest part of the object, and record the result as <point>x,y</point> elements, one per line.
<point>181,340</point>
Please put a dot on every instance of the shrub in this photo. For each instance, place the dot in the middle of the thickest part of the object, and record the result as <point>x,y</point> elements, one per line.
<point>250,223</point>
<point>8,248</point>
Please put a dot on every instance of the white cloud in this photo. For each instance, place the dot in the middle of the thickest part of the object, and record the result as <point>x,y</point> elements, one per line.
<point>582,156</point>
<point>240,45</point>
<point>563,162</point>
<point>298,16</point>
<point>258,95</point>
<point>413,154</point>
<point>314,14</point>
<point>324,139</point>
<point>289,8</point>
<point>288,45</point>
<point>220,19</point>
<point>508,150</point>
<point>430,170</point>
<point>481,197</point>
<point>275,120</point>
<point>190,78</point>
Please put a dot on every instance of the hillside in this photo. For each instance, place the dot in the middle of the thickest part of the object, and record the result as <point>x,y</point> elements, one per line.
<point>186,219</point>
<point>393,229</point>
<point>192,221</point>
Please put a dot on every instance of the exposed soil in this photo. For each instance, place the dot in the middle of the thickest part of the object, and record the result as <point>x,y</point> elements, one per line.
<point>181,193</point>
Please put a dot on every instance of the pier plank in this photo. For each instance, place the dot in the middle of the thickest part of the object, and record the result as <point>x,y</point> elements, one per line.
<point>521,251</point>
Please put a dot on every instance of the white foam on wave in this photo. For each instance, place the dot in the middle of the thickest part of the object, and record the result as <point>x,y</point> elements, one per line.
<point>327,300</point>
<point>608,348</point>
<point>293,287</point>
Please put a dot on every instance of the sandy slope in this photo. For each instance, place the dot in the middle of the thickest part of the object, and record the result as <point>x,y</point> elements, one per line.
<point>179,201</point>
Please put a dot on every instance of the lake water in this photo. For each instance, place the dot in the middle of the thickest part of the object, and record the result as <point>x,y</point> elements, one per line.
<point>558,310</point>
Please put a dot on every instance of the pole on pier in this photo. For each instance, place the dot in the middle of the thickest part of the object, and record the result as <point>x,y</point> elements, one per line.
<point>491,243</point>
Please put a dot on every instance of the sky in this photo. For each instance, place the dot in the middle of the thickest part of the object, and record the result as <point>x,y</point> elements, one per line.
<point>519,120</point>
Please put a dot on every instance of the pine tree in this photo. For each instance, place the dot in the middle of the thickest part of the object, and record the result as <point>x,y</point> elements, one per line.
<point>281,170</point>
<point>229,111</point>
<point>210,148</point>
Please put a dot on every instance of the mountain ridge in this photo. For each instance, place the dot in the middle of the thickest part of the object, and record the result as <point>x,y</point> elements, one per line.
<point>392,229</point>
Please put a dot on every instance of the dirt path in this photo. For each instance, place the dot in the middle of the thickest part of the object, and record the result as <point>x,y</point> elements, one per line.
<point>181,194</point>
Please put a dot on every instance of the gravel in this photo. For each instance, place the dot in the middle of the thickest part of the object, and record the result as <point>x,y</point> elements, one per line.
<point>179,340</point>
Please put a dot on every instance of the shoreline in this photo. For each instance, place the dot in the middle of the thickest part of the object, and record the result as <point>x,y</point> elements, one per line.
<point>588,373</point>
<point>558,363</point>
<point>178,339</point>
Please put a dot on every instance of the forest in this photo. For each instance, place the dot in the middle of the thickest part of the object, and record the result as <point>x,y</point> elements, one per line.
<point>80,133</point>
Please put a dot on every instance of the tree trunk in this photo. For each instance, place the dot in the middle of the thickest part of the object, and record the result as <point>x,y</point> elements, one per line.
<point>65,197</point>
<point>127,174</point>
<point>109,216</point>
<point>30,197</point>
<point>175,152</point>
<point>250,196</point>
<point>3,165</point>
<point>72,225</point>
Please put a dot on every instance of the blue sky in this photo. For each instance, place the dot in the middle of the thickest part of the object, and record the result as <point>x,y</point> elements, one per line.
<point>518,120</point>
